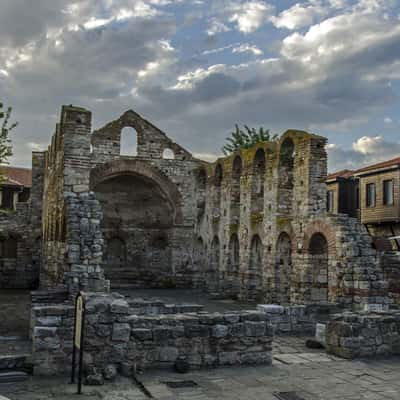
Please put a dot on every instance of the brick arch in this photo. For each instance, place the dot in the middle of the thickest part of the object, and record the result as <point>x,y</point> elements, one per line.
<point>140,168</point>
<point>320,226</point>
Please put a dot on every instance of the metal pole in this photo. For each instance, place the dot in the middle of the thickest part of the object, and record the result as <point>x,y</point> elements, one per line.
<point>81,349</point>
<point>73,345</point>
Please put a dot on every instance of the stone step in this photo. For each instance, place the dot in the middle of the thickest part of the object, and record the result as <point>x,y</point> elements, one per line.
<point>13,376</point>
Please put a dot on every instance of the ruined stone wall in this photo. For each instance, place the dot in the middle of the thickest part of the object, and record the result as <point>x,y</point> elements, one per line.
<point>54,241</point>
<point>148,206</point>
<point>390,263</point>
<point>116,336</point>
<point>21,236</point>
<point>352,335</point>
<point>72,241</point>
<point>267,235</point>
<point>19,267</point>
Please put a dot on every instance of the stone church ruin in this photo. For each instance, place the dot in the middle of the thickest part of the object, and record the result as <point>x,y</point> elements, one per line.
<point>252,226</point>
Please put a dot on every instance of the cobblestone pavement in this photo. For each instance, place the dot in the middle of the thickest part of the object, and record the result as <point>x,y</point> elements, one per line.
<point>312,374</point>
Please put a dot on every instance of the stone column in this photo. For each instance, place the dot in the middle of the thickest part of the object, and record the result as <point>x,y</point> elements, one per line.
<point>82,210</point>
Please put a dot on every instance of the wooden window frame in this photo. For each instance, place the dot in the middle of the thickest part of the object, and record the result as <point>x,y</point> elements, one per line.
<point>372,203</point>
<point>384,197</point>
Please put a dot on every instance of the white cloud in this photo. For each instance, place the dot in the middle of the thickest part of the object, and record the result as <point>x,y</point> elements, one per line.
<point>247,48</point>
<point>388,120</point>
<point>299,16</point>
<point>364,151</point>
<point>251,15</point>
<point>217,27</point>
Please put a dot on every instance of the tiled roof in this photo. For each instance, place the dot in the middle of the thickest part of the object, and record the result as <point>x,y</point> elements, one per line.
<point>383,164</point>
<point>15,176</point>
<point>344,173</point>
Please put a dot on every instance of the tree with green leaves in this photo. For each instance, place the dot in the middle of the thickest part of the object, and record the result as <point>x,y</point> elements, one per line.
<point>244,139</point>
<point>5,128</point>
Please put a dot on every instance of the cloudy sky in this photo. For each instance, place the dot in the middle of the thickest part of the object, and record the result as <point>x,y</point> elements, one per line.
<point>196,67</point>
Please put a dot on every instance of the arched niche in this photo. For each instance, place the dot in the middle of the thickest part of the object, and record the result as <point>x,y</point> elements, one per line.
<point>199,254</point>
<point>234,256</point>
<point>212,273</point>
<point>218,177</point>
<point>201,180</point>
<point>235,190</point>
<point>128,142</point>
<point>255,272</point>
<point>319,267</point>
<point>286,176</point>
<point>137,218</point>
<point>283,268</point>
<point>258,179</point>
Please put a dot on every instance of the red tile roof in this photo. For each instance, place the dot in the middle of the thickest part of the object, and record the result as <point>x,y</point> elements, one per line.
<point>344,173</point>
<point>15,176</point>
<point>383,164</point>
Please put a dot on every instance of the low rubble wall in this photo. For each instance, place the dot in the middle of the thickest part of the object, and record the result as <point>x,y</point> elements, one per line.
<point>364,334</point>
<point>115,336</point>
<point>156,307</point>
<point>297,319</point>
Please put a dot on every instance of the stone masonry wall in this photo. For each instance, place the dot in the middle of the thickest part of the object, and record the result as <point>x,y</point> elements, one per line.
<point>390,262</point>
<point>289,249</point>
<point>145,244</point>
<point>115,336</point>
<point>19,264</point>
<point>352,335</point>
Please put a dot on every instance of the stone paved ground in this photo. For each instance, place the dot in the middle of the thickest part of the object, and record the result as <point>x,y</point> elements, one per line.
<point>312,374</point>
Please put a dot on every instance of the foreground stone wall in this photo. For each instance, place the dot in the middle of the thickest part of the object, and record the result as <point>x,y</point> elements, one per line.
<point>390,262</point>
<point>115,336</point>
<point>352,335</point>
<point>297,319</point>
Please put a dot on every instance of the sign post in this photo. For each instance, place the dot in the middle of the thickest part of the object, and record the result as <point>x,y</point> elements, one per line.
<point>79,327</point>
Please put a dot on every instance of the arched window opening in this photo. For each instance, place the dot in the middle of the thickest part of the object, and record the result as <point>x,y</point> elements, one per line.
<point>283,268</point>
<point>257,190</point>
<point>255,275</point>
<point>168,154</point>
<point>318,253</point>
<point>212,273</point>
<point>235,189</point>
<point>215,254</point>
<point>285,177</point>
<point>234,253</point>
<point>217,189</point>
<point>318,244</point>
<point>201,179</point>
<point>199,253</point>
<point>128,143</point>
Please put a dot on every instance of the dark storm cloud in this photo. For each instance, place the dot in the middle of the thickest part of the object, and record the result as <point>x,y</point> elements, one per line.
<point>333,73</point>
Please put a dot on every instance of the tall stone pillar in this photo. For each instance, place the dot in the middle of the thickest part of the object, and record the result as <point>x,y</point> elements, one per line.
<point>82,210</point>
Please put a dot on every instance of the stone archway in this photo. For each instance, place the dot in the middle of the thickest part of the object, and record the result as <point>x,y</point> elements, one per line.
<point>141,208</point>
<point>283,268</point>
<point>319,263</point>
<point>255,270</point>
